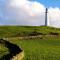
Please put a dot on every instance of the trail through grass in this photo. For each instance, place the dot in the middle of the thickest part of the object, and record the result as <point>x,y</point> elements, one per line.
<point>46,47</point>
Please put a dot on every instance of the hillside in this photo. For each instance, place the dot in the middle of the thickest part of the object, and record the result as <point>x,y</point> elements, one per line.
<point>44,47</point>
<point>17,31</point>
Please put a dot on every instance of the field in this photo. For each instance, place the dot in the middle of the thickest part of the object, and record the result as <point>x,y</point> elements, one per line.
<point>45,47</point>
<point>17,31</point>
<point>37,49</point>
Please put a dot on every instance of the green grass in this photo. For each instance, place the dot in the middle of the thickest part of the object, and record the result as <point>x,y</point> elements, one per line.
<point>3,50</point>
<point>13,31</point>
<point>47,48</point>
<point>38,49</point>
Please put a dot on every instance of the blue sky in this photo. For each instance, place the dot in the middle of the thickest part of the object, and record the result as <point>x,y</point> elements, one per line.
<point>49,3</point>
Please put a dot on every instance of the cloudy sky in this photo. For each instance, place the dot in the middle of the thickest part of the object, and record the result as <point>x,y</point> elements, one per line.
<point>29,12</point>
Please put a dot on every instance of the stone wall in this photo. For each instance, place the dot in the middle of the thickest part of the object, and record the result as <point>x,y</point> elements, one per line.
<point>19,56</point>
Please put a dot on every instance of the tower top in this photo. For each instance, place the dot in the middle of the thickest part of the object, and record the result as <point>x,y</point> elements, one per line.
<point>46,10</point>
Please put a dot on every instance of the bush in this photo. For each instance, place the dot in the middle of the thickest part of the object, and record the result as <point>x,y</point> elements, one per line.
<point>54,33</point>
<point>35,33</point>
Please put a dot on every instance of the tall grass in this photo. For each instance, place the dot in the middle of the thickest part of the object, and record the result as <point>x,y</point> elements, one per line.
<point>3,50</point>
<point>47,48</point>
<point>13,31</point>
<point>38,49</point>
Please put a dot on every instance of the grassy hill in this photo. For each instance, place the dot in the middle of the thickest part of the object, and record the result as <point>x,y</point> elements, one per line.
<point>47,47</point>
<point>16,31</point>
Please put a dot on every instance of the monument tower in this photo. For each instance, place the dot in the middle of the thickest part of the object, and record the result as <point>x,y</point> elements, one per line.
<point>46,22</point>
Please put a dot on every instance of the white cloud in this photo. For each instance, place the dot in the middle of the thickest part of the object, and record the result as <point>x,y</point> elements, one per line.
<point>30,8</point>
<point>24,12</point>
<point>54,16</point>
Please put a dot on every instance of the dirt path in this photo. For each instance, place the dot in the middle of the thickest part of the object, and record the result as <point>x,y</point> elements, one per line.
<point>24,37</point>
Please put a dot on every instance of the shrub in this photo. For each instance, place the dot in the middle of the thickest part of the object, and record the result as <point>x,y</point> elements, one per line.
<point>54,33</point>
